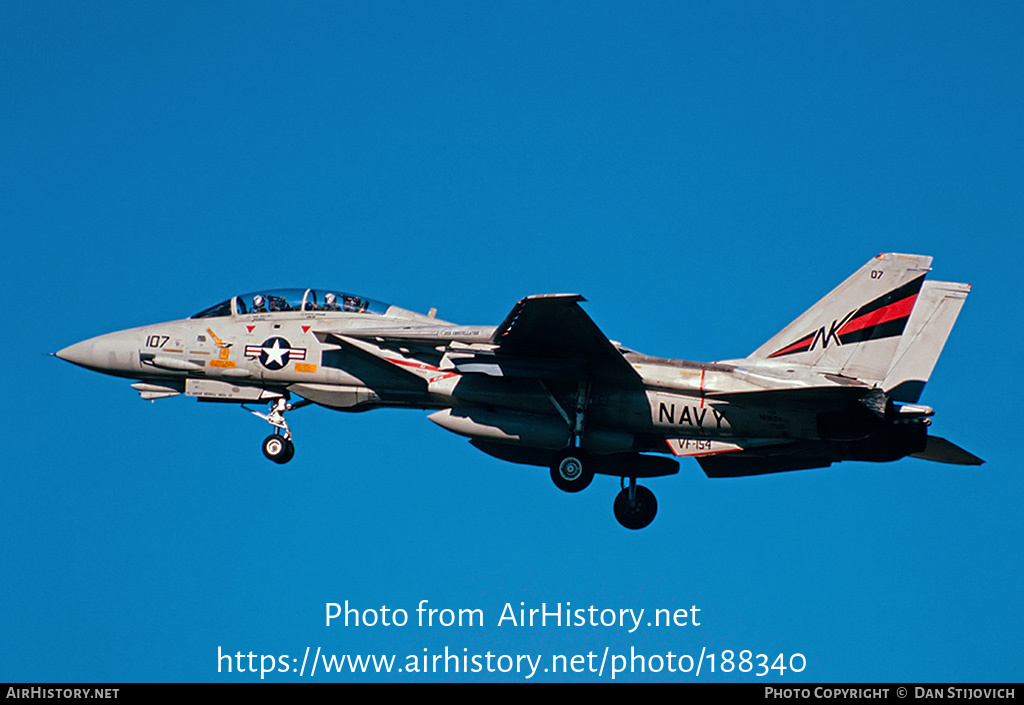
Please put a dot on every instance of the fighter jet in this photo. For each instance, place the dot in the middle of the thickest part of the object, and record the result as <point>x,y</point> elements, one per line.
<point>545,387</point>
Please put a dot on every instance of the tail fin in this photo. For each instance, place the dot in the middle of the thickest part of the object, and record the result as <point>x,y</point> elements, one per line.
<point>936,310</point>
<point>857,329</point>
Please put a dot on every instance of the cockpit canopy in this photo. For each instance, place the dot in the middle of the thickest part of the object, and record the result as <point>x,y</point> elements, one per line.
<point>294,300</point>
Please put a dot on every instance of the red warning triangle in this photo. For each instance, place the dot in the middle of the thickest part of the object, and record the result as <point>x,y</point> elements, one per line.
<point>305,329</point>
<point>250,328</point>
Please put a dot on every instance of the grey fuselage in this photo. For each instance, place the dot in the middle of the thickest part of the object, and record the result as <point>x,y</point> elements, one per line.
<point>357,361</point>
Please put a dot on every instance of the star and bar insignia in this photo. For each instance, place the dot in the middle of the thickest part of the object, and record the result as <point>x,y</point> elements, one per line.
<point>275,353</point>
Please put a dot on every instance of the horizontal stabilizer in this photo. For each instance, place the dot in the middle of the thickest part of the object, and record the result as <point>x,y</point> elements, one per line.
<point>942,451</point>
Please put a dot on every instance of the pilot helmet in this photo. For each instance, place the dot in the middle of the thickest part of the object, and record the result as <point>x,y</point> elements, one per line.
<point>257,301</point>
<point>330,299</point>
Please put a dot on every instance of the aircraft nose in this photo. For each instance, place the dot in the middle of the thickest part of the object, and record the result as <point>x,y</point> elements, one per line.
<point>105,353</point>
<point>79,354</point>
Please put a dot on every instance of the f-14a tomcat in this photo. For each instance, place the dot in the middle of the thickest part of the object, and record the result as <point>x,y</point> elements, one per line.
<point>546,387</point>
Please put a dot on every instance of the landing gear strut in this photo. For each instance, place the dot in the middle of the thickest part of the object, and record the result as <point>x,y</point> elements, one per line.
<point>278,446</point>
<point>635,506</point>
<point>572,469</point>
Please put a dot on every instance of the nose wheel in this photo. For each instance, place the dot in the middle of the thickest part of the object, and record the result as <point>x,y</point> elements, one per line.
<point>278,448</point>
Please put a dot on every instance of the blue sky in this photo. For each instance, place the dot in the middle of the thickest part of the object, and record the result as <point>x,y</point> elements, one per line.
<point>701,172</point>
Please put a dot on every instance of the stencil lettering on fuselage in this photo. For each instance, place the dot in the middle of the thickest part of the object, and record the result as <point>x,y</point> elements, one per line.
<point>694,417</point>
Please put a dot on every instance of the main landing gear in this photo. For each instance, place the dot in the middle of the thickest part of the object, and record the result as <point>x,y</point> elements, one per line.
<point>573,468</point>
<point>635,506</point>
<point>571,471</point>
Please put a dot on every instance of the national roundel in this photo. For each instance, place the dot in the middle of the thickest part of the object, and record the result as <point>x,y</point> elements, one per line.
<point>275,353</point>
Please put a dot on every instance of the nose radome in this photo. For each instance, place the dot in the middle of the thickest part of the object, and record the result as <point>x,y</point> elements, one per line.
<point>106,353</point>
<point>78,354</point>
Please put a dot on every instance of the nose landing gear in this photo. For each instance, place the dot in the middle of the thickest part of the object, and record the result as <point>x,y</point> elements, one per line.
<point>278,446</point>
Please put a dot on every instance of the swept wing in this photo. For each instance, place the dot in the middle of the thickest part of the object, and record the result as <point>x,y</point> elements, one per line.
<point>554,327</point>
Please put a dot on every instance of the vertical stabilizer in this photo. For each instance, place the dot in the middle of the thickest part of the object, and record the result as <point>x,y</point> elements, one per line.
<point>937,307</point>
<point>856,330</point>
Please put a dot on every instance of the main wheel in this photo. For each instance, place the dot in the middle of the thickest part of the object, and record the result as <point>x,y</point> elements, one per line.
<point>571,471</point>
<point>278,448</point>
<point>638,513</point>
